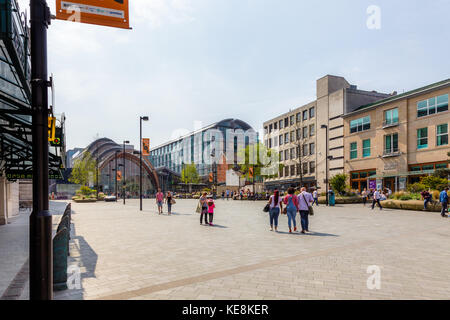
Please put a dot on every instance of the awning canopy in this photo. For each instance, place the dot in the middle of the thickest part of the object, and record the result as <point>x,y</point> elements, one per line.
<point>402,174</point>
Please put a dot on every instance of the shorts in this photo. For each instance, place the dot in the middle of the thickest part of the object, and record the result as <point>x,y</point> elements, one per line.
<point>160,203</point>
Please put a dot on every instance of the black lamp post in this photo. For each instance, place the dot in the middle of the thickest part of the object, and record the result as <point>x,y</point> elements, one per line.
<point>324,126</point>
<point>145,118</point>
<point>124,172</point>
<point>115,179</point>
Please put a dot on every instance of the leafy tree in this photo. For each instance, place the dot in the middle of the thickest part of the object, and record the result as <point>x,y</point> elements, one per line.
<point>339,183</point>
<point>83,169</point>
<point>434,183</point>
<point>262,160</point>
<point>189,174</point>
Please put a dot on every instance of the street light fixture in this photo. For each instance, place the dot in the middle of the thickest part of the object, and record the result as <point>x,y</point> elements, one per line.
<point>115,180</point>
<point>145,118</point>
<point>324,126</point>
<point>124,184</point>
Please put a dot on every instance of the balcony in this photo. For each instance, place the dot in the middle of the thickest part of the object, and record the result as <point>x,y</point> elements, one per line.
<point>390,124</point>
<point>387,153</point>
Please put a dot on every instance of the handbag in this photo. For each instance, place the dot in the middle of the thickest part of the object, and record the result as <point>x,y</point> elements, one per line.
<point>199,208</point>
<point>266,208</point>
<point>172,201</point>
<point>310,209</point>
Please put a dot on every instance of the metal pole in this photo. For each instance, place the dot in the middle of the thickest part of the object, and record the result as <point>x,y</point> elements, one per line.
<point>124,184</point>
<point>326,134</point>
<point>96,170</point>
<point>41,248</point>
<point>140,163</point>
<point>115,178</point>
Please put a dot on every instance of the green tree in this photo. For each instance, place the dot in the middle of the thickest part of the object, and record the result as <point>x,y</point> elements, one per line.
<point>83,169</point>
<point>189,174</point>
<point>262,160</point>
<point>434,183</point>
<point>339,183</point>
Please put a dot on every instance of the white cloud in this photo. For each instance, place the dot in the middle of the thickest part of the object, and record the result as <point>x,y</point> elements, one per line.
<point>159,12</point>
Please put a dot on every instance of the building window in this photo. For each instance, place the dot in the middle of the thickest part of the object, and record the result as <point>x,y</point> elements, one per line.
<point>293,170</point>
<point>286,171</point>
<point>280,139</point>
<point>292,120</point>
<point>270,128</point>
<point>286,138</point>
<point>432,106</point>
<point>353,150</point>
<point>442,135</point>
<point>305,115</point>
<point>305,168</point>
<point>281,156</point>
<point>361,124</point>
<point>299,134</point>
<point>281,124</point>
<point>275,142</point>
<point>270,143</point>
<point>281,173</point>
<point>312,130</point>
<point>299,117</point>
<point>366,148</point>
<point>312,167</point>
<point>312,149</point>
<point>391,116</point>
<point>391,143</point>
<point>292,136</point>
<point>286,154</point>
<point>275,126</point>
<point>286,122</point>
<point>422,138</point>
<point>305,132</point>
<point>299,168</point>
<point>293,154</point>
<point>305,150</point>
<point>312,113</point>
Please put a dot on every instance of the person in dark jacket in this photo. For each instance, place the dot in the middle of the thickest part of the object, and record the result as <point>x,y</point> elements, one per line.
<point>443,199</point>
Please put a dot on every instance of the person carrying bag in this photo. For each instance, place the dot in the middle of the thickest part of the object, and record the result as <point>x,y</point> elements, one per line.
<point>305,199</point>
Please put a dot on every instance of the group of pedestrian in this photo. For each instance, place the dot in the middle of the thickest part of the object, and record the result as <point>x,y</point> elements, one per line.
<point>293,203</point>
<point>164,199</point>
<point>205,207</point>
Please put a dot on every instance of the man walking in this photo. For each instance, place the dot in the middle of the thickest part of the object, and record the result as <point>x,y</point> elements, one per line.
<point>228,194</point>
<point>443,199</point>
<point>316,197</point>
<point>305,199</point>
<point>376,199</point>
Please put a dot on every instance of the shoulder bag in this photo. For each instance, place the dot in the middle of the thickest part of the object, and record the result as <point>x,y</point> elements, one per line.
<point>310,209</point>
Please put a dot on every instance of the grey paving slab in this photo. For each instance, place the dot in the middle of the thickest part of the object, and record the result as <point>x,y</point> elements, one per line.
<point>123,253</point>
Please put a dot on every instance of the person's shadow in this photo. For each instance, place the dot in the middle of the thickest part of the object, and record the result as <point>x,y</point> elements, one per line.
<point>315,234</point>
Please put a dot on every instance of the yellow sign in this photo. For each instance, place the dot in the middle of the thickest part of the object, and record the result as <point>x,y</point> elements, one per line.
<point>110,13</point>
<point>145,147</point>
<point>51,128</point>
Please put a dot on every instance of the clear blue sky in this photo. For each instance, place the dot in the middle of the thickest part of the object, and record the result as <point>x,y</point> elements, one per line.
<point>206,60</point>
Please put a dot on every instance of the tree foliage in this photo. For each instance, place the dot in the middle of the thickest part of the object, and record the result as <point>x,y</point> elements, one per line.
<point>189,174</point>
<point>434,183</point>
<point>260,159</point>
<point>339,183</point>
<point>83,169</point>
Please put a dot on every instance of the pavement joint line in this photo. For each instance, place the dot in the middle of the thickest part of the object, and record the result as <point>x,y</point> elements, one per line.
<point>252,267</point>
<point>15,288</point>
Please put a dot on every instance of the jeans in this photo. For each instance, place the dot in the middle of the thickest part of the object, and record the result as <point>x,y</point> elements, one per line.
<point>425,202</point>
<point>378,202</point>
<point>304,219</point>
<point>169,207</point>
<point>205,214</point>
<point>211,217</point>
<point>273,214</point>
<point>444,208</point>
<point>316,201</point>
<point>291,213</point>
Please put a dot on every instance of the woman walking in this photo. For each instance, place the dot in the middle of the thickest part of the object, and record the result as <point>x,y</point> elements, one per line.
<point>169,198</point>
<point>204,208</point>
<point>291,203</point>
<point>364,195</point>
<point>276,205</point>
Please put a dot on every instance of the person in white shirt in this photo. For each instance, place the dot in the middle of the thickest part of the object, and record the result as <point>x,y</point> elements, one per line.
<point>305,199</point>
<point>316,198</point>
<point>276,205</point>
<point>376,199</point>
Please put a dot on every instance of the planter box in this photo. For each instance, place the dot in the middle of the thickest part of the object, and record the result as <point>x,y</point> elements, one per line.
<point>343,200</point>
<point>416,205</point>
<point>85,201</point>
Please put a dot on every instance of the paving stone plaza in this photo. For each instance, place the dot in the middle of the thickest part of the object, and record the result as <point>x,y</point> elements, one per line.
<point>123,253</point>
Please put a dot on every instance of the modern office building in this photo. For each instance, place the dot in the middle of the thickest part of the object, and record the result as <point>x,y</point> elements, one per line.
<point>300,135</point>
<point>216,144</point>
<point>397,140</point>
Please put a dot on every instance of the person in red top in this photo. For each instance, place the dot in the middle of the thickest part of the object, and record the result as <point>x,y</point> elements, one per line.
<point>291,202</point>
<point>159,200</point>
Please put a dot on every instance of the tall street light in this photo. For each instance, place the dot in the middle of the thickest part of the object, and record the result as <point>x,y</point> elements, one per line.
<point>145,118</point>
<point>124,171</point>
<point>115,180</point>
<point>324,126</point>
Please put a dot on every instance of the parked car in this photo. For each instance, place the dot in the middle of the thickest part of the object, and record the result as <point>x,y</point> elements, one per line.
<point>110,198</point>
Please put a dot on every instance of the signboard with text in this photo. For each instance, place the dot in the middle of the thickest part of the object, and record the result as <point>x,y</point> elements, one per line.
<point>111,13</point>
<point>145,147</point>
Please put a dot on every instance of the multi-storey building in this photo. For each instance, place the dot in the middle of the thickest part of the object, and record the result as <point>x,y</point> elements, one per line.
<point>216,144</point>
<point>397,140</point>
<point>300,135</point>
